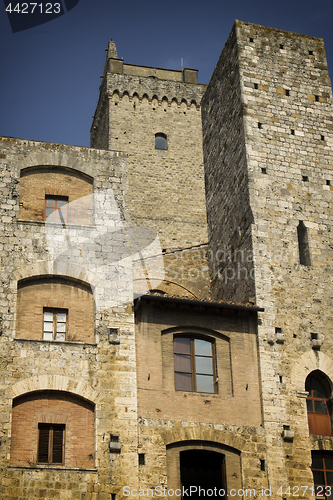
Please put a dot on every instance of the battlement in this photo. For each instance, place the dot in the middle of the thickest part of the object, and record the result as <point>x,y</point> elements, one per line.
<point>117,66</point>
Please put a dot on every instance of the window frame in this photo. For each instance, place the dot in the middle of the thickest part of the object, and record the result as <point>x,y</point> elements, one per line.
<point>50,443</point>
<point>55,312</point>
<point>55,219</point>
<point>193,357</point>
<point>318,421</point>
<point>324,469</point>
<point>161,135</point>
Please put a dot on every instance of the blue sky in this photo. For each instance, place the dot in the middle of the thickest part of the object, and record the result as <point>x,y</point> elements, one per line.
<point>50,75</point>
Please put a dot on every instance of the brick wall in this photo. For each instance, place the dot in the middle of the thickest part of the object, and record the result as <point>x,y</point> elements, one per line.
<point>36,183</point>
<point>55,293</point>
<point>237,400</point>
<point>53,408</point>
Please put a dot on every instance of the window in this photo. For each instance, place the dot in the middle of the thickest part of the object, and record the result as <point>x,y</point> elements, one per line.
<point>322,470</point>
<point>55,323</point>
<point>303,244</point>
<point>56,209</point>
<point>51,443</point>
<point>194,365</point>
<point>161,142</point>
<point>316,402</point>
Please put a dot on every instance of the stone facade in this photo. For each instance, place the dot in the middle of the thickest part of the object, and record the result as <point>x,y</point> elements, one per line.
<point>272,170</point>
<point>159,323</point>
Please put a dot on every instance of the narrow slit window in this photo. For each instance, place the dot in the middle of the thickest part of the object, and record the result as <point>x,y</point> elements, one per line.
<point>303,244</point>
<point>161,142</point>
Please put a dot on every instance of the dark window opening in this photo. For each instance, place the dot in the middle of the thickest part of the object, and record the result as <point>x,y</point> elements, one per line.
<point>316,403</point>
<point>161,142</point>
<point>56,209</point>
<point>205,470</point>
<point>328,183</point>
<point>51,443</point>
<point>305,178</point>
<point>317,98</point>
<point>255,85</point>
<point>251,40</point>
<point>322,137</point>
<point>303,244</point>
<point>287,92</point>
<point>322,470</point>
<point>259,125</point>
<point>292,131</point>
<point>142,459</point>
<point>262,465</point>
<point>310,52</point>
<point>281,46</point>
<point>194,365</point>
<point>264,170</point>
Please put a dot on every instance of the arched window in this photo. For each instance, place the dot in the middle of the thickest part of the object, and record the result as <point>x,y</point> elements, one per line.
<point>194,364</point>
<point>55,308</point>
<point>161,142</point>
<point>318,415</point>
<point>52,428</point>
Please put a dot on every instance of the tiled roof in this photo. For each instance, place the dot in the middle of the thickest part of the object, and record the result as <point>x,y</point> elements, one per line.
<point>228,304</point>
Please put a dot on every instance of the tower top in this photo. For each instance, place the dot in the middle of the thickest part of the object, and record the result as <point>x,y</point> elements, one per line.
<point>112,50</point>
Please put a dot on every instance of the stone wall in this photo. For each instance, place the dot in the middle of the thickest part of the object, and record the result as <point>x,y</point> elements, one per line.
<point>103,371</point>
<point>166,187</point>
<point>285,96</point>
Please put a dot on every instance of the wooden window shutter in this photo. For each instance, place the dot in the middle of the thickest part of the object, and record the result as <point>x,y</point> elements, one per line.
<point>43,444</point>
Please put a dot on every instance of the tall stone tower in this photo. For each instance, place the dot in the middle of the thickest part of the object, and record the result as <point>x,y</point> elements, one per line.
<point>155,116</point>
<point>267,134</point>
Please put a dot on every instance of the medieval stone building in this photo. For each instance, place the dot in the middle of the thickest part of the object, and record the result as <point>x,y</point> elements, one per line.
<point>166,294</point>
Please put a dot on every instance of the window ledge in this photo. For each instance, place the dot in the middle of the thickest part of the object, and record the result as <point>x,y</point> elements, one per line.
<point>50,467</point>
<point>62,342</point>
<point>56,224</point>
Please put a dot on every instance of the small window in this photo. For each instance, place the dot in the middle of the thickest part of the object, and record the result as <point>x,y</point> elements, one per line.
<point>161,142</point>
<point>56,209</point>
<point>303,244</point>
<point>322,470</point>
<point>51,443</point>
<point>194,365</point>
<point>55,324</point>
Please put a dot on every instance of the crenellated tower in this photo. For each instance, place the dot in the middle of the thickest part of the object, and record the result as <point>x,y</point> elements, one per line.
<point>155,116</point>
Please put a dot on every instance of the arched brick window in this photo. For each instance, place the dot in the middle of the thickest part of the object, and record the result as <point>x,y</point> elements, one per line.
<point>56,195</point>
<point>318,415</point>
<point>55,308</point>
<point>52,428</point>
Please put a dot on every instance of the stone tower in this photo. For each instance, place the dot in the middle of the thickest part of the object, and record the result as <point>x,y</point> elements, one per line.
<point>139,106</point>
<point>267,134</point>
